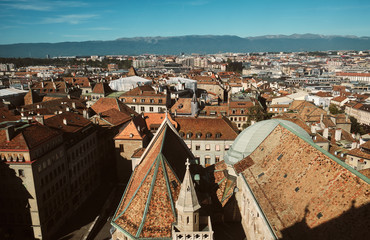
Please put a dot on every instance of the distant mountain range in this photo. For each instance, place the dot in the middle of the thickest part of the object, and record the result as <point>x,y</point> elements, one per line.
<point>202,44</point>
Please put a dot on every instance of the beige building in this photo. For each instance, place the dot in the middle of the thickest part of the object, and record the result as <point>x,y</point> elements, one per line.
<point>207,138</point>
<point>36,176</point>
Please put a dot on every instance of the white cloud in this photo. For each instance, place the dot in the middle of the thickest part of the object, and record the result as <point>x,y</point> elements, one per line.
<point>37,5</point>
<point>71,19</point>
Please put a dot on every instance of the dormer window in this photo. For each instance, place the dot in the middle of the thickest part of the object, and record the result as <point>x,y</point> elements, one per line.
<point>208,135</point>
<point>198,135</point>
<point>218,135</point>
<point>131,135</point>
<point>123,100</point>
<point>189,135</point>
<point>142,100</point>
<point>182,134</point>
<point>134,100</point>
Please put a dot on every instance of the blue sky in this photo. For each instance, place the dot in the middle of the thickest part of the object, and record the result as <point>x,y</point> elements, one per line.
<point>24,21</point>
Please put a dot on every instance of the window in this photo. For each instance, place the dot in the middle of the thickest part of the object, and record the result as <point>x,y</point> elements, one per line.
<point>208,135</point>
<point>182,134</point>
<point>208,147</point>
<point>217,159</point>
<point>189,135</point>
<point>217,147</point>
<point>121,149</point>
<point>142,100</point>
<point>234,111</point>
<point>198,135</point>
<point>218,135</point>
<point>207,161</point>
<point>133,108</point>
<point>21,172</point>
<point>123,99</point>
<point>197,147</point>
<point>189,146</point>
<point>134,100</point>
<point>227,146</point>
<point>151,109</point>
<point>160,100</point>
<point>142,109</point>
<point>242,111</point>
<point>151,100</point>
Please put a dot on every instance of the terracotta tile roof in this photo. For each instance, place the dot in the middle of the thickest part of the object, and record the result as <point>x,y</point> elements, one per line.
<point>102,88</point>
<point>32,97</point>
<point>135,130</point>
<point>27,137</point>
<point>52,106</point>
<point>296,182</point>
<point>138,153</point>
<point>147,207</point>
<point>156,119</point>
<point>323,94</point>
<point>226,183</point>
<point>114,117</point>
<point>359,153</point>
<point>182,106</point>
<point>339,99</point>
<point>204,126</point>
<point>8,115</point>
<point>82,82</point>
<point>365,172</point>
<point>104,104</point>
<point>75,122</point>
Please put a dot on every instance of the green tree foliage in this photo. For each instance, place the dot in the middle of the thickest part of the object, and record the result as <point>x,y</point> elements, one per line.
<point>25,62</point>
<point>356,127</point>
<point>234,66</point>
<point>256,113</point>
<point>335,110</point>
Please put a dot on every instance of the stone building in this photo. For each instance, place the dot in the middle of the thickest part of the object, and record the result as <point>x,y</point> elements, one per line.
<point>207,138</point>
<point>34,186</point>
<point>146,99</point>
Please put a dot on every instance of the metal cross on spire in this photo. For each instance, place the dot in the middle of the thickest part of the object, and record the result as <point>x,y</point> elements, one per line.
<point>187,164</point>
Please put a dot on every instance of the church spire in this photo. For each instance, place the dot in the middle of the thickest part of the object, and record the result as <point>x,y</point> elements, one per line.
<point>187,204</point>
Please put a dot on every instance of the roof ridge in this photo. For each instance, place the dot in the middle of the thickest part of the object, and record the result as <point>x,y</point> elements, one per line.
<point>168,183</point>
<point>133,196</point>
<point>149,197</point>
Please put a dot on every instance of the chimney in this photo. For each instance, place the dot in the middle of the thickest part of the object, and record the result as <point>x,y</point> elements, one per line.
<point>10,132</point>
<point>40,119</point>
<point>86,114</point>
<point>326,133</point>
<point>69,96</point>
<point>338,134</point>
<point>65,121</point>
<point>74,105</point>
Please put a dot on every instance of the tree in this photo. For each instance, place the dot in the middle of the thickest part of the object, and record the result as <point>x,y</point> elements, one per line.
<point>334,109</point>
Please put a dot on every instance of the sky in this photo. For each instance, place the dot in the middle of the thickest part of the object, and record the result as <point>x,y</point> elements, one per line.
<point>31,21</point>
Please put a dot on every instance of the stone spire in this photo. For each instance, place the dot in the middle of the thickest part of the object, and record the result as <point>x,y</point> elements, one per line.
<point>194,105</point>
<point>187,204</point>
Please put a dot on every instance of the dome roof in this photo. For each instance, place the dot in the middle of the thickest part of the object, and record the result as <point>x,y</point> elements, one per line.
<point>248,140</point>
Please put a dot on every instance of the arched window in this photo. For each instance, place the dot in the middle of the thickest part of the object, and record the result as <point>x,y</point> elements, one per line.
<point>182,134</point>
<point>189,135</point>
<point>198,135</point>
<point>218,135</point>
<point>208,135</point>
<point>187,220</point>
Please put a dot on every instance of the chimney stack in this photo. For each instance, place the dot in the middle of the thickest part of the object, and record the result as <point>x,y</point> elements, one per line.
<point>326,133</point>
<point>338,134</point>
<point>10,132</point>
